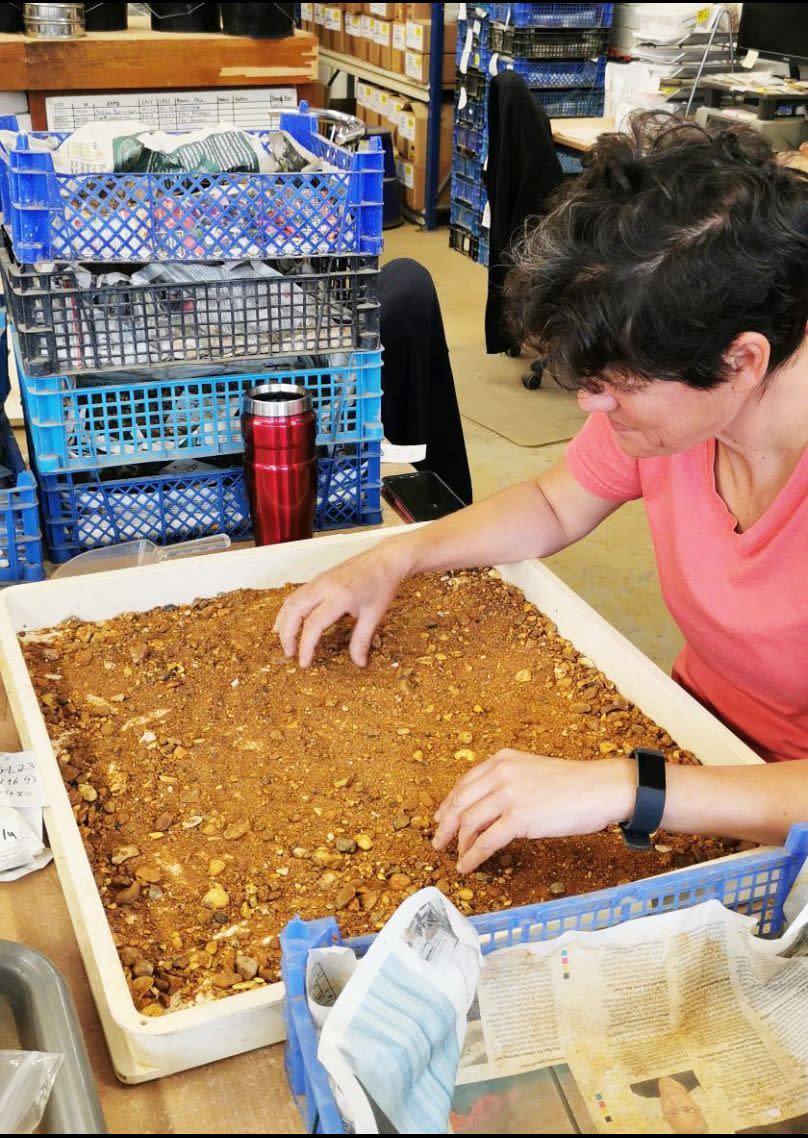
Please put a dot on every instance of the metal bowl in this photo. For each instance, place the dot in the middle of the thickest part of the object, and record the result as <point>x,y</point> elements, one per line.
<point>54,21</point>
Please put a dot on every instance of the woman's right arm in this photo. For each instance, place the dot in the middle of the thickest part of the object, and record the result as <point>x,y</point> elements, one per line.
<point>531,519</point>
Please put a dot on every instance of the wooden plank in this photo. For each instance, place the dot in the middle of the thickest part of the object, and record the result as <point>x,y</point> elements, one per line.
<point>13,63</point>
<point>579,134</point>
<point>139,58</point>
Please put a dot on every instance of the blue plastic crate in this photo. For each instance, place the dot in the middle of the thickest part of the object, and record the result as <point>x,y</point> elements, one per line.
<point>75,423</point>
<point>471,140</point>
<point>194,217</point>
<point>474,113</point>
<point>470,193</point>
<point>571,104</point>
<point>21,550</point>
<point>467,165</point>
<point>755,883</point>
<point>483,249</point>
<point>554,15</point>
<point>558,72</point>
<point>87,511</point>
<point>570,159</point>
<point>468,217</point>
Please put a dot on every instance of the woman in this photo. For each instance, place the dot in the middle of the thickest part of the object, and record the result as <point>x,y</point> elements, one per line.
<point>670,288</point>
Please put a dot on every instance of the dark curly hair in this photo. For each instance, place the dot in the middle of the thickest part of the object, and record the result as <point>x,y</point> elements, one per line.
<point>673,241</point>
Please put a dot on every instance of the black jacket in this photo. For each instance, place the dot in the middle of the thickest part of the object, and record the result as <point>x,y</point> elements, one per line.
<point>523,168</point>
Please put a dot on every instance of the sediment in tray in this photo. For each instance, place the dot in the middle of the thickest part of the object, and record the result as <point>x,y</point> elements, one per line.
<point>220,790</point>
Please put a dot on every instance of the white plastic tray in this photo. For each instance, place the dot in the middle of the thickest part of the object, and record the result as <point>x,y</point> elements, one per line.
<point>144,1048</point>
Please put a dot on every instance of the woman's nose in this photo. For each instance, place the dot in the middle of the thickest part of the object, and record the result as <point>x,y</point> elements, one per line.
<point>590,401</point>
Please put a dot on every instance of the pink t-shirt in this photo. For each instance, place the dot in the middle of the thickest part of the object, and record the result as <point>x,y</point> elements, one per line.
<point>740,599</point>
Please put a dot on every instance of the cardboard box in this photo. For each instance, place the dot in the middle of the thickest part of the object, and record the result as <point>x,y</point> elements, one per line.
<point>364,40</point>
<point>400,13</point>
<point>416,67</point>
<point>419,11</point>
<point>334,28</point>
<point>373,48</point>
<point>352,33</point>
<point>364,94</point>
<point>398,48</point>
<point>395,109</point>
<point>380,103</point>
<point>412,133</point>
<point>419,33</point>
<point>413,179</point>
<point>383,38</point>
<point>382,11</point>
<point>307,16</point>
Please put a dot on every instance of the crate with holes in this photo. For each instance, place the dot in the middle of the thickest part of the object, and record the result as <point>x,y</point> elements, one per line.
<point>154,280</point>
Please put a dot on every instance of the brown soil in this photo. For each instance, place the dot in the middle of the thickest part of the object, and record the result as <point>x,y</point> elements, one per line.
<point>220,790</point>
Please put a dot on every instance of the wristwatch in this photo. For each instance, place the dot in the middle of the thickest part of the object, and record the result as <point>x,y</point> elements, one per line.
<point>649,805</point>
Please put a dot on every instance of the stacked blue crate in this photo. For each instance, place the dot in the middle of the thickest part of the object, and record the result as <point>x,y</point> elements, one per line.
<point>467,231</point>
<point>124,448</point>
<point>560,50</point>
<point>21,554</point>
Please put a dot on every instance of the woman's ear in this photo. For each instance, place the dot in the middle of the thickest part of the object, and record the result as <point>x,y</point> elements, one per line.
<point>747,360</point>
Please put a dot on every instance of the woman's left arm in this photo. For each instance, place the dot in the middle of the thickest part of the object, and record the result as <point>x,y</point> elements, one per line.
<point>518,795</point>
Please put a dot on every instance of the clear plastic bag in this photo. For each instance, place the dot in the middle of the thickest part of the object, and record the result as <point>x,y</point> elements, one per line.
<point>26,1080</point>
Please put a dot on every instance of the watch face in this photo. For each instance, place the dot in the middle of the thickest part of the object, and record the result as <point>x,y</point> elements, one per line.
<point>651,767</point>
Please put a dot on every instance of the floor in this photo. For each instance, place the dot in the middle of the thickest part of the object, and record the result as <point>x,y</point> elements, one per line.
<point>614,568</point>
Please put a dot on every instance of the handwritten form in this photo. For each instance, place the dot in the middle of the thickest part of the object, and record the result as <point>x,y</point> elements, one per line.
<point>22,796</point>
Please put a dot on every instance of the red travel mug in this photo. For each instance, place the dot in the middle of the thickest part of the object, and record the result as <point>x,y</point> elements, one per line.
<point>280,462</point>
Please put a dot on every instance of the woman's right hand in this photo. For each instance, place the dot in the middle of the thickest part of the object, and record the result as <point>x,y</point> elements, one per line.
<point>362,587</point>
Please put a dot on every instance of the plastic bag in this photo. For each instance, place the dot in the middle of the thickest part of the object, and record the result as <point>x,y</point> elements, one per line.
<point>26,1080</point>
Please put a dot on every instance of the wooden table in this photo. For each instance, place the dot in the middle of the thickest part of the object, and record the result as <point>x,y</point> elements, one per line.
<point>579,134</point>
<point>245,1094</point>
<point>141,60</point>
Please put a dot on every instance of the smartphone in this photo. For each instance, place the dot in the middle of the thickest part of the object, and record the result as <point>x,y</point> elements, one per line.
<point>421,496</point>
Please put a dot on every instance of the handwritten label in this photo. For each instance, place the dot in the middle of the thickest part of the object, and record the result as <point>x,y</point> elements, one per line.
<point>20,780</point>
<point>18,842</point>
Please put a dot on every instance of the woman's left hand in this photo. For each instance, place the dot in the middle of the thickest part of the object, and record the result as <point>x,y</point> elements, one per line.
<point>515,794</point>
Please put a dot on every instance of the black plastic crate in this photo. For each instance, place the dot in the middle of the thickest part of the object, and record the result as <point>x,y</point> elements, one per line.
<point>66,326</point>
<point>464,242</point>
<point>548,43</point>
<point>473,80</point>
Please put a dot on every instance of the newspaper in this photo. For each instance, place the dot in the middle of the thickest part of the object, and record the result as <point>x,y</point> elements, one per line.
<point>392,1039</point>
<point>682,1022</point>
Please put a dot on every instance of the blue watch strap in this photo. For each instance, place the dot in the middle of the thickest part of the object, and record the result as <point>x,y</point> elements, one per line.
<point>649,805</point>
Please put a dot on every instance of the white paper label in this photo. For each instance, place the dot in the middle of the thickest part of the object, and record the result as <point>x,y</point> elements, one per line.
<point>462,14</point>
<point>400,37</point>
<point>487,216</point>
<point>476,26</point>
<point>20,781</point>
<point>751,58</point>
<point>462,99</point>
<point>415,36</point>
<point>18,842</point>
<point>400,453</point>
<point>466,56</point>
<point>493,64</point>
<point>307,12</point>
<point>333,19</point>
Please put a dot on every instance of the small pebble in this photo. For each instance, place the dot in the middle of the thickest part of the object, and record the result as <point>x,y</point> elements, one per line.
<point>557,888</point>
<point>216,898</point>
<point>364,841</point>
<point>345,845</point>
